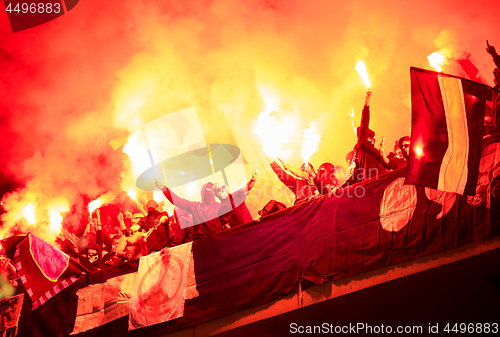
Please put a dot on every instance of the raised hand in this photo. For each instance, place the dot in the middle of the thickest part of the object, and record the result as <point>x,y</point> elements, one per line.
<point>159,184</point>
<point>367,97</point>
<point>490,49</point>
<point>382,145</point>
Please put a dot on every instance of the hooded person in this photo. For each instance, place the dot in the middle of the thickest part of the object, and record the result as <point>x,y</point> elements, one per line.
<point>300,182</point>
<point>156,226</point>
<point>369,161</point>
<point>326,179</point>
<point>205,213</point>
<point>240,213</point>
<point>400,156</point>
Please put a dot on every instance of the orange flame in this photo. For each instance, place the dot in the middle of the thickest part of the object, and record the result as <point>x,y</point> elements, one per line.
<point>363,73</point>
<point>29,214</point>
<point>419,152</point>
<point>274,133</point>
<point>158,196</point>
<point>286,154</point>
<point>93,205</point>
<point>310,144</point>
<point>56,207</point>
<point>103,199</point>
<point>132,194</point>
<point>436,60</point>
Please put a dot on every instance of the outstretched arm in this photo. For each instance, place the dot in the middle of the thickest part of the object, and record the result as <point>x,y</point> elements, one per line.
<point>174,199</point>
<point>382,152</point>
<point>297,172</point>
<point>251,182</point>
<point>492,51</point>
<point>365,115</point>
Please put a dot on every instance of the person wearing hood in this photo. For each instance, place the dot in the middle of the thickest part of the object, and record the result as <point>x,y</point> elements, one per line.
<point>300,182</point>
<point>156,226</point>
<point>240,213</point>
<point>368,158</point>
<point>205,213</point>
<point>400,156</point>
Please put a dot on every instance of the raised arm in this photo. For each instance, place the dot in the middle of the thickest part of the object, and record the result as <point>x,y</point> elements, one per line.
<point>365,115</point>
<point>492,51</point>
<point>297,172</point>
<point>251,182</point>
<point>187,205</point>
<point>288,180</point>
<point>120,220</point>
<point>382,152</point>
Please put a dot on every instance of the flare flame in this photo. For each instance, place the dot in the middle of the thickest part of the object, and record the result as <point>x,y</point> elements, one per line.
<point>363,73</point>
<point>310,144</point>
<point>436,60</point>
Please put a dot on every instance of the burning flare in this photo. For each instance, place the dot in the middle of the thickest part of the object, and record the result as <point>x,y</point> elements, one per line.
<point>93,205</point>
<point>436,60</point>
<point>419,152</point>
<point>56,207</point>
<point>274,132</point>
<point>132,194</point>
<point>29,214</point>
<point>103,199</point>
<point>363,73</point>
<point>310,144</point>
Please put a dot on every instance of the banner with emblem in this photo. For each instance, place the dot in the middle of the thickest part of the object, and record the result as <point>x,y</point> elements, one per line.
<point>159,292</point>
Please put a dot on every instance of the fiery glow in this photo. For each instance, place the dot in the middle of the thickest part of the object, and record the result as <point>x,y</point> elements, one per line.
<point>56,207</point>
<point>419,152</point>
<point>363,73</point>
<point>274,132</point>
<point>158,196</point>
<point>310,144</point>
<point>29,213</point>
<point>93,205</point>
<point>436,60</point>
<point>103,199</point>
<point>132,194</point>
<point>286,153</point>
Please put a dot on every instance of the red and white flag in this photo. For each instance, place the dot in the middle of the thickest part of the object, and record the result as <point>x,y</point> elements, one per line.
<point>446,131</point>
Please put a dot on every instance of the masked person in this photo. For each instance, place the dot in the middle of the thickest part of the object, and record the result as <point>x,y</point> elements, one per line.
<point>300,182</point>
<point>240,213</point>
<point>205,213</point>
<point>368,159</point>
<point>156,226</point>
<point>401,151</point>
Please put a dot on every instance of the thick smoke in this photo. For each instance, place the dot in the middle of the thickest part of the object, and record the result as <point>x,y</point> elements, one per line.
<point>72,85</point>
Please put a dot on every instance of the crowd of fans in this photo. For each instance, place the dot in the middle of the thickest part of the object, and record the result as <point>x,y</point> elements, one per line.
<point>150,229</point>
<point>109,242</point>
